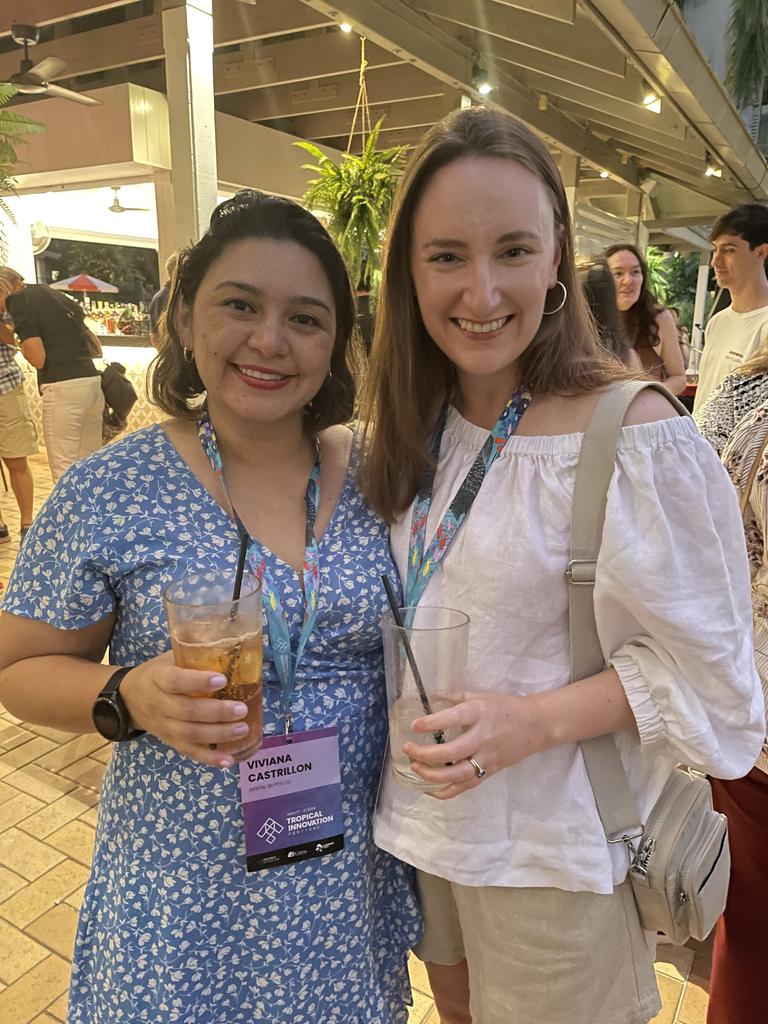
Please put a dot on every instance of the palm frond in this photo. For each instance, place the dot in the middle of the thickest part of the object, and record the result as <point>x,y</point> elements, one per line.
<point>747,40</point>
<point>13,127</point>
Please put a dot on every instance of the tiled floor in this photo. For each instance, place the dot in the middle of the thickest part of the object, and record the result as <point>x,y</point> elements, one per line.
<point>49,784</point>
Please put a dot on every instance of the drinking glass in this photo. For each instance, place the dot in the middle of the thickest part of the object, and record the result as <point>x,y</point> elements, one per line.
<point>434,641</point>
<point>211,632</point>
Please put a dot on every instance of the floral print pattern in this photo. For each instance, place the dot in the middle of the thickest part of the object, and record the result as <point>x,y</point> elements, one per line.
<point>173,928</point>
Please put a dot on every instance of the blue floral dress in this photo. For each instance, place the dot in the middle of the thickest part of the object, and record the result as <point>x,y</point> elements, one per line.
<point>172,928</point>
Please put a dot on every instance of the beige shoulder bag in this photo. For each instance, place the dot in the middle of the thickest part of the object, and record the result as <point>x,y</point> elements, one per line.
<point>679,856</point>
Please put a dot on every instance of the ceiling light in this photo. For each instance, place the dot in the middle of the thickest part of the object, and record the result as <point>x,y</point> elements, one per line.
<point>480,81</point>
<point>345,26</point>
<point>543,102</point>
<point>651,99</point>
<point>604,174</point>
<point>711,170</point>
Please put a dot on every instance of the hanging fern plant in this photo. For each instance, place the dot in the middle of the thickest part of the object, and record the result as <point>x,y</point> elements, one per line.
<point>13,127</point>
<point>356,195</point>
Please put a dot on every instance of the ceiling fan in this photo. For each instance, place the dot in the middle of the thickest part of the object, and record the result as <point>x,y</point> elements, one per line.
<point>117,207</point>
<point>34,79</point>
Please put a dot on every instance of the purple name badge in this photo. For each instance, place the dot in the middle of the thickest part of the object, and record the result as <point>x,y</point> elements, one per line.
<point>291,795</point>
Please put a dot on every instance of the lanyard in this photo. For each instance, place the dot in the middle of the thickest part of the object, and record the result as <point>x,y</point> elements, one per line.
<point>286,663</point>
<point>421,565</point>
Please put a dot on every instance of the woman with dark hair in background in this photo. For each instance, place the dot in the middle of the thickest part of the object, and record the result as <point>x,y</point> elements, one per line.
<point>600,292</point>
<point>255,369</point>
<point>648,327</point>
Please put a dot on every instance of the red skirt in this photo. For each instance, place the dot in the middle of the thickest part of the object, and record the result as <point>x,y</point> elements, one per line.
<point>739,981</point>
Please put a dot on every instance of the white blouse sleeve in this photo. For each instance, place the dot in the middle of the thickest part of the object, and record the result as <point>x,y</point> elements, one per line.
<point>672,600</point>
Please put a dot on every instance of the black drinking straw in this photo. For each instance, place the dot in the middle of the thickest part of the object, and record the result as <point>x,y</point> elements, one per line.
<point>439,735</point>
<point>239,574</point>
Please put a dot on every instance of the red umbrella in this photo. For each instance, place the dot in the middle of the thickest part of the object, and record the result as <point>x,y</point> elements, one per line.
<point>83,283</point>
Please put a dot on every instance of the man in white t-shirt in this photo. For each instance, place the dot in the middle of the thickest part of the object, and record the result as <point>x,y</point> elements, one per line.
<point>739,250</point>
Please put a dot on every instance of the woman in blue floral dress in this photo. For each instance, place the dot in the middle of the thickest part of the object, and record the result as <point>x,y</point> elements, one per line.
<point>173,926</point>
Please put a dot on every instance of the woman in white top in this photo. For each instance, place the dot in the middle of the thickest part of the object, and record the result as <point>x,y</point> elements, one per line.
<point>480,312</point>
<point>649,328</point>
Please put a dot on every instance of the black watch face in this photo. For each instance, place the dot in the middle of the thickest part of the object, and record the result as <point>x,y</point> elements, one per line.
<point>107,719</point>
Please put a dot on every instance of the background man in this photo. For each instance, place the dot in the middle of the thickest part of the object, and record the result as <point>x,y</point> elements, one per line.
<point>739,250</point>
<point>55,340</point>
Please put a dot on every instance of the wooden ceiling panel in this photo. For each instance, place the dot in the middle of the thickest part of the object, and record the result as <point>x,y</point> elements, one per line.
<point>385,85</point>
<point>298,60</point>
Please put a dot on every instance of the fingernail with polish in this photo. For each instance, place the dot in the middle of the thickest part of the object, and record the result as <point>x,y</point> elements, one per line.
<point>239,730</point>
<point>240,710</point>
<point>218,682</point>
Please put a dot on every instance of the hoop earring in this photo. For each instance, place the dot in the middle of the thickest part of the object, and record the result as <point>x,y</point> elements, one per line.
<point>549,312</point>
<point>187,354</point>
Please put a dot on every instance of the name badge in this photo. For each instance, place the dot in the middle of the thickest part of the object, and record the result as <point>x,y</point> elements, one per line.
<point>291,796</point>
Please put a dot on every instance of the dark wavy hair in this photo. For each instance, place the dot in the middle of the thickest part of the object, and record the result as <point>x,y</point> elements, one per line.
<point>639,321</point>
<point>175,385</point>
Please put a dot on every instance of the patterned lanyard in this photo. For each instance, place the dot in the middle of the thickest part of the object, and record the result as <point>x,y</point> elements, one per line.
<point>421,565</point>
<point>286,663</point>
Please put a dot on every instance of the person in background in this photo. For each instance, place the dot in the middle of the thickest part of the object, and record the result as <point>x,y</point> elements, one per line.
<point>160,299</point>
<point>649,328</point>
<point>735,397</point>
<point>18,437</point>
<point>173,926</point>
<point>739,251</point>
<point>738,992</point>
<point>600,292</point>
<point>484,373</point>
<point>55,340</point>
<point>682,334</point>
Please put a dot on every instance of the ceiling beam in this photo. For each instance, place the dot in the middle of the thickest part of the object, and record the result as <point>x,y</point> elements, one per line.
<point>139,40</point>
<point>690,220</point>
<point>560,10</point>
<point>48,12</point>
<point>416,114</point>
<point>599,188</point>
<point>577,41</point>
<point>600,122</point>
<point>408,34</point>
<point>297,60</point>
<point>386,85</point>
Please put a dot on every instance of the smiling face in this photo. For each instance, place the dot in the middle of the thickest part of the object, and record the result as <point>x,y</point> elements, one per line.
<point>627,276</point>
<point>483,257</point>
<point>735,264</point>
<point>262,328</point>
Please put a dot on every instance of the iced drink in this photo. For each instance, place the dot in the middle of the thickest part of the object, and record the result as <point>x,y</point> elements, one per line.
<point>222,636</point>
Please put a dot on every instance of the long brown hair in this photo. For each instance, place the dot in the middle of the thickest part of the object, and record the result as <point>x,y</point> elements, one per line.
<point>408,376</point>
<point>175,385</point>
<point>639,321</point>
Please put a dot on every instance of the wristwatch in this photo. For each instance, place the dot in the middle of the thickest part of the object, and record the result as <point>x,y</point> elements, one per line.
<point>110,714</point>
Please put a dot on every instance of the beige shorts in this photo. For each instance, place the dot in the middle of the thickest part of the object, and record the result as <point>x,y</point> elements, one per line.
<point>18,437</point>
<point>542,956</point>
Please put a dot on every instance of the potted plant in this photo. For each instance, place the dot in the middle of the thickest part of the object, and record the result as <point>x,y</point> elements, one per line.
<point>12,127</point>
<point>356,195</point>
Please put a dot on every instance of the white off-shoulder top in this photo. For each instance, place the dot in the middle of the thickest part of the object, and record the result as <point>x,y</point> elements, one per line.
<point>673,610</point>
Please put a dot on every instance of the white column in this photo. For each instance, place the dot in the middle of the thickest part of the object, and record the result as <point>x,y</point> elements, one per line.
<point>569,171</point>
<point>166,230</point>
<point>188,45</point>
<point>699,308</point>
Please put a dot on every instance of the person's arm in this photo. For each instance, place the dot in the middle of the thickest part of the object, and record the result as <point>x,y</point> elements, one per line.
<point>7,336</point>
<point>94,345</point>
<point>671,353</point>
<point>58,685</point>
<point>33,351</point>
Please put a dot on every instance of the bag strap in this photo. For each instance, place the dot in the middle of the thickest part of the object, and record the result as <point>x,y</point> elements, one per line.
<point>747,492</point>
<point>597,462</point>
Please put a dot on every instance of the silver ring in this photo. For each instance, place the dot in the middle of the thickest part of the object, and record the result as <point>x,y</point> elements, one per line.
<point>479,772</point>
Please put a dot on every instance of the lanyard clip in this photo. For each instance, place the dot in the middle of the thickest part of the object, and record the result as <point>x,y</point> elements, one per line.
<point>288,722</point>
